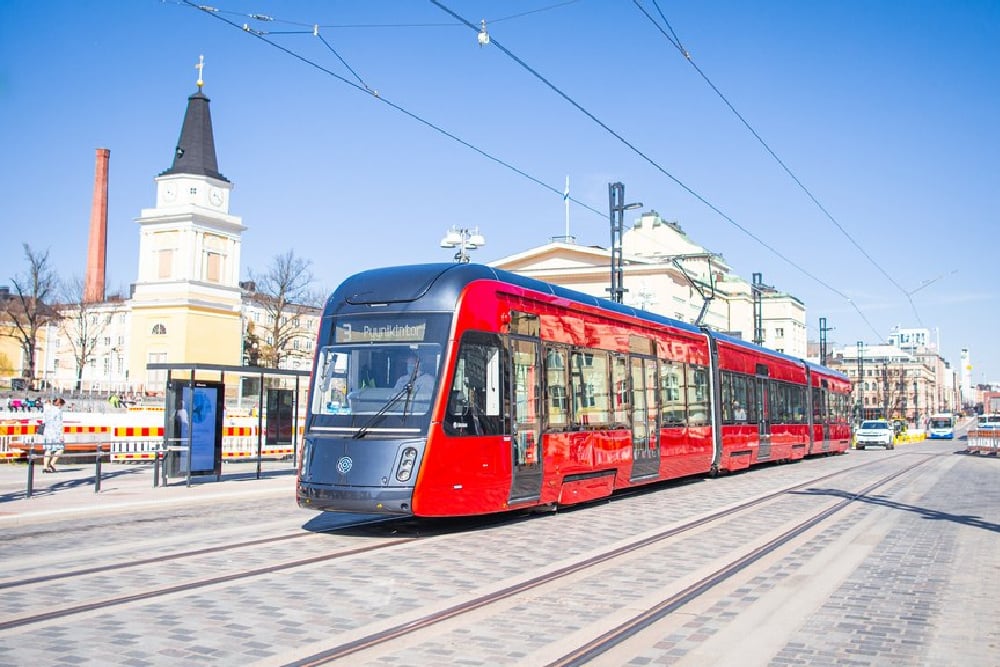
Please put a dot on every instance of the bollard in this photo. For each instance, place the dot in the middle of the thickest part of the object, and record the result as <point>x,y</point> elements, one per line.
<point>31,471</point>
<point>97,471</point>
<point>156,467</point>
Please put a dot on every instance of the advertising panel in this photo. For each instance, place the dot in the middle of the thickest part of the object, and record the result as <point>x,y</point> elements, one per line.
<point>194,423</point>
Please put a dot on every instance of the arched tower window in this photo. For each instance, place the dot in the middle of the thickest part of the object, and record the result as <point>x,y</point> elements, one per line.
<point>159,330</point>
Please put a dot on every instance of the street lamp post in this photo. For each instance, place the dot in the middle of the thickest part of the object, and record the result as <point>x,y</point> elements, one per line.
<point>861,380</point>
<point>464,240</point>
<point>617,207</point>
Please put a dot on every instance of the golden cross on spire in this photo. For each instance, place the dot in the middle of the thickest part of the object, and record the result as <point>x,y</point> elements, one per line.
<point>200,66</point>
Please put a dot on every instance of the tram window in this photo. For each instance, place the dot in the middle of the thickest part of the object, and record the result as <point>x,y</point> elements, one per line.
<point>737,404</point>
<point>777,411</point>
<point>652,409</point>
<point>525,378</point>
<point>817,406</point>
<point>797,403</point>
<point>557,403</point>
<point>475,397</point>
<point>726,395</point>
<point>331,388</point>
<point>354,380</point>
<point>589,380</point>
<point>620,385</point>
<point>787,403</point>
<point>753,415</point>
<point>697,394</point>
<point>672,393</point>
<point>839,407</point>
<point>743,392</point>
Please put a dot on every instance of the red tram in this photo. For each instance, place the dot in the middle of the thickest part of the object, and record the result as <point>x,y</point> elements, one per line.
<point>457,389</point>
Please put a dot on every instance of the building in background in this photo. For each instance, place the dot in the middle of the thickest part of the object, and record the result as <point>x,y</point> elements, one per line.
<point>666,272</point>
<point>187,304</point>
<point>893,383</point>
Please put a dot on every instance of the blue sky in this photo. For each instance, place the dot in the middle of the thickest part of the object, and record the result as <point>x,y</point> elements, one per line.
<point>884,110</point>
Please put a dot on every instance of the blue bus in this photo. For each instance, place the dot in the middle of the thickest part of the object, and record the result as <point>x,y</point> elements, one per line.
<point>989,422</point>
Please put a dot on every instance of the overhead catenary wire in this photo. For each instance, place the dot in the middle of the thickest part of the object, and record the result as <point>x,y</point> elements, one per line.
<point>309,27</point>
<point>660,168</point>
<point>343,62</point>
<point>676,43</point>
<point>211,11</point>
<point>262,35</point>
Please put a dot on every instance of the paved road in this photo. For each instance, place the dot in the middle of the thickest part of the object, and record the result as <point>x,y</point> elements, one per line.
<point>905,574</point>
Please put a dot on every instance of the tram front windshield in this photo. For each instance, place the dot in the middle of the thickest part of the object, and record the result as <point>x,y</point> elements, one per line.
<point>375,378</point>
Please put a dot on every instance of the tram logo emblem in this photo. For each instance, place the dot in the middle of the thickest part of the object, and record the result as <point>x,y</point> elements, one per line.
<point>344,465</point>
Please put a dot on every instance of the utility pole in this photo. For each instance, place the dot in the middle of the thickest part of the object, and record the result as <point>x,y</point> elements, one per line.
<point>861,380</point>
<point>617,208</point>
<point>758,314</point>
<point>822,340</point>
<point>885,389</point>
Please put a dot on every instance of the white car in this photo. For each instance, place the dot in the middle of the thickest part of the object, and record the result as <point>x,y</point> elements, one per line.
<point>874,432</point>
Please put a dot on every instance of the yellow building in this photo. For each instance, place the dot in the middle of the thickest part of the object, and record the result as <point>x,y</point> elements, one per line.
<point>11,354</point>
<point>187,305</point>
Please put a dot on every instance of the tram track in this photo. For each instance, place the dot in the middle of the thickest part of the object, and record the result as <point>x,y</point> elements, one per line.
<point>641,621</point>
<point>623,631</point>
<point>158,559</point>
<point>201,583</point>
<point>394,525</point>
<point>411,628</point>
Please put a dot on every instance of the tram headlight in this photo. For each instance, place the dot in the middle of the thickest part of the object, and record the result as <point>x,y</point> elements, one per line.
<point>306,454</point>
<point>406,462</point>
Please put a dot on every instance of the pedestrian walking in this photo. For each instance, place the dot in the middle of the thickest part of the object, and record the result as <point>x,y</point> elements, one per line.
<point>54,440</point>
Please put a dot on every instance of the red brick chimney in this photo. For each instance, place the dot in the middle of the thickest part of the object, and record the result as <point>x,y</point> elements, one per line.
<point>97,248</point>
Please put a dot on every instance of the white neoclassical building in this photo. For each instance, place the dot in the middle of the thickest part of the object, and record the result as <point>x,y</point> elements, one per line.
<point>667,273</point>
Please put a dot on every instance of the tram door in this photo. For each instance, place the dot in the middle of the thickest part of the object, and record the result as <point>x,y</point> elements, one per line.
<point>645,418</point>
<point>823,410</point>
<point>526,443</point>
<point>763,412</point>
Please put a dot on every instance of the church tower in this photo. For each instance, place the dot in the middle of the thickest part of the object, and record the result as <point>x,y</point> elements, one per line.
<point>186,302</point>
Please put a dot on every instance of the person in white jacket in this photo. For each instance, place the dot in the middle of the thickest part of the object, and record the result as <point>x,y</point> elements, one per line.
<point>54,439</point>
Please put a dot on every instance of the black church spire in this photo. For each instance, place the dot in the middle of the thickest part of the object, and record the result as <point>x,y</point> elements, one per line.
<point>195,152</point>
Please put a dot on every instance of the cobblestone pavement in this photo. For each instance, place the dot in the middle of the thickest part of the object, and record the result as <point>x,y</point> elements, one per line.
<point>906,579</point>
<point>909,581</point>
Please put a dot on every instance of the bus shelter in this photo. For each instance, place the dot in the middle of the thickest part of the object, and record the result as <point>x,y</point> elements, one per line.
<point>198,399</point>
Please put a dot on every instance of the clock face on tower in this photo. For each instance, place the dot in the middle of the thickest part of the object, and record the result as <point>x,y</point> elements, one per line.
<point>215,196</point>
<point>169,191</point>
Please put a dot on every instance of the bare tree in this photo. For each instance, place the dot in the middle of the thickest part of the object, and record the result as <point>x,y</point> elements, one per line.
<point>83,325</point>
<point>27,310</point>
<point>284,292</point>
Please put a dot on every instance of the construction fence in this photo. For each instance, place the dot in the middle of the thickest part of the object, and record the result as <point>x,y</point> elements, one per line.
<point>135,443</point>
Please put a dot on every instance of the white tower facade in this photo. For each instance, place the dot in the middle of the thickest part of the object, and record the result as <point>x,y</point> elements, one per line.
<point>187,302</point>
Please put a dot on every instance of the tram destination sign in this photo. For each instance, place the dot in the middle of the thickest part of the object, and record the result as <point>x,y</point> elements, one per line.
<point>380,331</point>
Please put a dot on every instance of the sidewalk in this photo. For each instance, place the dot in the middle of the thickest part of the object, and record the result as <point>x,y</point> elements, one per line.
<point>128,487</point>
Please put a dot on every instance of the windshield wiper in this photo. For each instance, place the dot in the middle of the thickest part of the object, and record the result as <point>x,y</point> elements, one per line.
<point>407,389</point>
<point>411,387</point>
